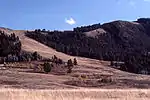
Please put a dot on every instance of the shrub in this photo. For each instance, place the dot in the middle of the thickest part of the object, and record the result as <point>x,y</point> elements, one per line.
<point>83,77</point>
<point>47,67</point>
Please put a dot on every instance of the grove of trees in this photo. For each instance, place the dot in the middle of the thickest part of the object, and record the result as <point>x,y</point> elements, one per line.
<point>9,44</point>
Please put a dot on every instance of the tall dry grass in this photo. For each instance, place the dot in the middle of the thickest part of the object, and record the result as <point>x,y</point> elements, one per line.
<point>79,94</point>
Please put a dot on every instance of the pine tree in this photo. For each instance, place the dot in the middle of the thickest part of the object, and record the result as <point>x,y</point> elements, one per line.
<point>111,63</point>
<point>69,63</point>
<point>35,55</point>
<point>75,61</point>
<point>70,66</point>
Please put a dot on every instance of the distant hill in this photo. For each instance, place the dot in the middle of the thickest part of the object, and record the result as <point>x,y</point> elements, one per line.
<point>118,40</point>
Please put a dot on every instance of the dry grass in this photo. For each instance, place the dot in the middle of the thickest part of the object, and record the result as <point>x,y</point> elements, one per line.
<point>81,77</point>
<point>80,94</point>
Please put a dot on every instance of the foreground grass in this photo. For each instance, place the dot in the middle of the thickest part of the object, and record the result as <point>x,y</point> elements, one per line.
<point>75,94</point>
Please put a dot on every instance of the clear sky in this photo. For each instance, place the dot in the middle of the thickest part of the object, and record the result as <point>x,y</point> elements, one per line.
<point>67,14</point>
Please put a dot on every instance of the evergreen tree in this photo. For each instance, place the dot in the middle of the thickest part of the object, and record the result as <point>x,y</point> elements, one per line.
<point>111,63</point>
<point>69,63</point>
<point>35,56</point>
<point>70,66</point>
<point>75,61</point>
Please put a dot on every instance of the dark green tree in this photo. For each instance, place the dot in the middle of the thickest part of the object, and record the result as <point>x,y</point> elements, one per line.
<point>35,56</point>
<point>70,66</point>
<point>75,61</point>
<point>111,63</point>
<point>70,63</point>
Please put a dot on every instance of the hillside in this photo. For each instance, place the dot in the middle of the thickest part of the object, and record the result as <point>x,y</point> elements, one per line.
<point>94,69</point>
<point>115,41</point>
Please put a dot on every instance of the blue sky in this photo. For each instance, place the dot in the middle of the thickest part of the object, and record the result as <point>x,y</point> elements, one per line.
<point>67,14</point>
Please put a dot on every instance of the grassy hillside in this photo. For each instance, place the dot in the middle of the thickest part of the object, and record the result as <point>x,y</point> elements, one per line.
<point>115,41</point>
<point>22,77</point>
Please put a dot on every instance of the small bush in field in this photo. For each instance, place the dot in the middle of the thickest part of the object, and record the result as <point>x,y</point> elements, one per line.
<point>83,77</point>
<point>47,67</point>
